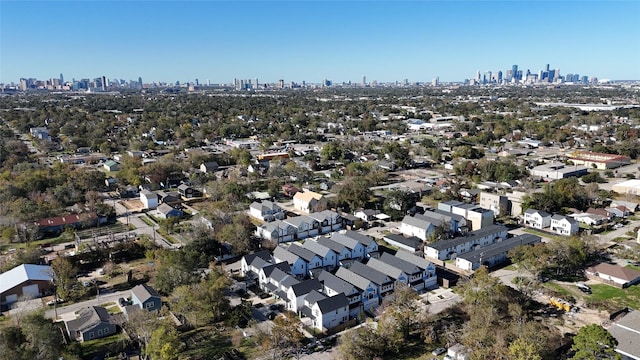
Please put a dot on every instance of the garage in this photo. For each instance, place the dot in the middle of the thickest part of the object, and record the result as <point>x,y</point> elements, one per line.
<point>12,298</point>
<point>31,291</point>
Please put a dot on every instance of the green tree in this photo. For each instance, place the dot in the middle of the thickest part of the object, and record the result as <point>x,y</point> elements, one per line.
<point>397,203</point>
<point>361,343</point>
<point>65,276</point>
<point>165,344</point>
<point>594,342</point>
<point>520,349</point>
<point>33,338</point>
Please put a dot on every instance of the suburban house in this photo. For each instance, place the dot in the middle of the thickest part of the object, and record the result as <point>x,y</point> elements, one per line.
<point>333,285</point>
<point>627,204</point>
<point>398,275</point>
<point>452,222</point>
<point>589,219</point>
<point>93,322</point>
<point>188,192</point>
<point>165,211</point>
<point>308,201</point>
<point>330,312</point>
<point>564,225</point>
<point>412,243</point>
<point>266,211</point>
<point>149,199</point>
<point>477,217</point>
<point>602,212</point>
<point>58,224</point>
<point>367,215</point>
<point>451,248</point>
<point>415,226</point>
<point>313,260</point>
<point>146,297</point>
<point>169,197</point>
<point>618,211</point>
<point>458,352</point>
<point>613,275</point>
<point>26,281</point>
<point>269,274</point>
<point>493,254</point>
<point>279,281</point>
<point>537,219</point>
<point>209,167</point>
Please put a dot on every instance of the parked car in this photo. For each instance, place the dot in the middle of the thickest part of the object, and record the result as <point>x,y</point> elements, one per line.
<point>438,351</point>
<point>584,288</point>
<point>52,302</point>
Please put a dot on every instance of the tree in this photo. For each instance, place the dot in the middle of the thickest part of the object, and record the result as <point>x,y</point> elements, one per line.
<point>362,343</point>
<point>65,276</point>
<point>165,344</point>
<point>285,336</point>
<point>397,203</point>
<point>402,311</point>
<point>34,338</point>
<point>141,325</point>
<point>594,342</point>
<point>520,349</point>
<point>237,234</point>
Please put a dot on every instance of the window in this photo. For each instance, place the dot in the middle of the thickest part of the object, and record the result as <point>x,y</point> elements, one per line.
<point>99,332</point>
<point>90,335</point>
<point>106,330</point>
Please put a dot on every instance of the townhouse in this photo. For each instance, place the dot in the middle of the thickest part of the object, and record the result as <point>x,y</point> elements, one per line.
<point>333,285</point>
<point>427,267</point>
<point>328,256</point>
<point>416,226</point>
<point>328,221</point>
<point>277,231</point>
<point>368,290</point>
<point>493,254</point>
<point>450,248</point>
<point>299,266</point>
<point>266,211</point>
<point>384,284</point>
<point>297,292</point>
<point>342,251</point>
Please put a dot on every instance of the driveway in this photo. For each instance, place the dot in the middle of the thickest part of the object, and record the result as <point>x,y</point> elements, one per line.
<point>64,312</point>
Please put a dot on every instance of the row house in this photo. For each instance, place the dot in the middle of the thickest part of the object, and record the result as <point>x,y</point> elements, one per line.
<point>330,312</point>
<point>416,226</point>
<point>342,251</point>
<point>271,274</point>
<point>297,292</point>
<point>328,221</point>
<point>304,226</point>
<point>450,221</point>
<point>383,283</point>
<point>450,248</point>
<point>361,246</point>
<point>277,232</point>
<point>494,254</point>
<point>399,276</point>
<point>299,266</point>
<point>537,219</point>
<point>251,264</point>
<point>564,225</point>
<point>266,211</point>
<point>329,257</point>
<point>368,289</point>
<point>333,285</point>
<point>401,259</point>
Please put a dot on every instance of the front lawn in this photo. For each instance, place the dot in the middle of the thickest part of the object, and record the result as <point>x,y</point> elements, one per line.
<point>107,346</point>
<point>613,297</point>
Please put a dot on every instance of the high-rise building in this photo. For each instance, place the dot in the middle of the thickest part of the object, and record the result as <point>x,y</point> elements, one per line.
<point>514,71</point>
<point>140,82</point>
<point>197,82</point>
<point>364,81</point>
<point>104,83</point>
<point>281,84</point>
<point>61,79</point>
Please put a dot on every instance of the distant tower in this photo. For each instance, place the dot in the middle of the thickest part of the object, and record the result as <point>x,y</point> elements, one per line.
<point>104,83</point>
<point>281,84</point>
<point>364,81</point>
<point>61,79</point>
<point>197,82</point>
<point>255,85</point>
<point>140,82</point>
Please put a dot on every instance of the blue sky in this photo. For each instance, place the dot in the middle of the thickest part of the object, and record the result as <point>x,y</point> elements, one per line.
<point>315,40</point>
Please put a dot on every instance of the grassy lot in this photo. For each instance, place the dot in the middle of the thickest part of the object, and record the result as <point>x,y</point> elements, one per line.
<point>616,298</point>
<point>107,345</point>
<point>543,234</point>
<point>147,220</point>
<point>5,245</point>
<point>210,342</point>
<point>633,267</point>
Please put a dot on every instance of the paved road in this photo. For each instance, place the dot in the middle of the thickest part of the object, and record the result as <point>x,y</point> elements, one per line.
<point>64,312</point>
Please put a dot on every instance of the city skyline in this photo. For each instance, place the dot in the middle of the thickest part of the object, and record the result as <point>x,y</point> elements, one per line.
<point>218,41</point>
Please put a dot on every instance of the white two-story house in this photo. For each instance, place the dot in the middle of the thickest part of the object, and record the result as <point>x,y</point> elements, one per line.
<point>368,290</point>
<point>428,269</point>
<point>537,219</point>
<point>450,248</point>
<point>564,225</point>
<point>333,285</point>
<point>329,257</point>
<point>415,226</point>
<point>266,211</point>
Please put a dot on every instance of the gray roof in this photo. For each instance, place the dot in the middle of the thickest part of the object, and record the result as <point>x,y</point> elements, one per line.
<point>416,222</point>
<point>149,194</point>
<point>344,240</point>
<point>452,203</point>
<point>335,283</point>
<point>335,246</point>
<point>323,215</point>
<point>23,273</point>
<point>166,209</point>
<point>262,254</point>
<point>412,242</point>
<point>370,273</point>
<point>269,269</point>
<point>418,261</point>
<point>144,292</point>
<point>385,268</point>
<point>627,332</point>
<point>361,238</point>
<point>266,204</point>
<point>352,278</point>
<point>401,264</point>
<point>306,286</point>
<point>333,303</point>
<point>317,248</point>
<point>314,296</point>
<point>88,317</point>
<point>283,254</point>
<point>504,246</point>
<point>298,220</point>
<point>443,215</point>
<point>540,212</point>
<point>278,275</point>
<point>470,237</point>
<point>305,254</point>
